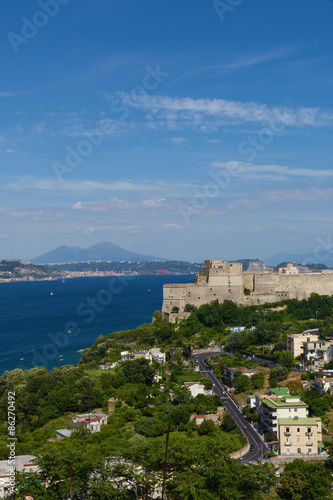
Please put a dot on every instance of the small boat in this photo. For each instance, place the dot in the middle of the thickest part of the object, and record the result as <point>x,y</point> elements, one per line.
<point>21,359</point>
<point>51,293</point>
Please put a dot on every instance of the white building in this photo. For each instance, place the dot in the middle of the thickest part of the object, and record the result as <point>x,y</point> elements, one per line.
<point>300,436</point>
<point>195,388</point>
<point>22,463</point>
<point>157,355</point>
<point>295,341</point>
<point>323,385</point>
<point>270,409</point>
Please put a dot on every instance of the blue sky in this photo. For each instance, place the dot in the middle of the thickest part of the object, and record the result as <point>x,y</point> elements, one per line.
<point>186,130</point>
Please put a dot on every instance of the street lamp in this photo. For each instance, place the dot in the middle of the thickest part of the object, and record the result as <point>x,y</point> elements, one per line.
<point>316,315</point>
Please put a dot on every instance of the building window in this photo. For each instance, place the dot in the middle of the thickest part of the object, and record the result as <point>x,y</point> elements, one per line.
<point>287,429</point>
<point>298,440</point>
<point>295,409</point>
<point>309,429</point>
<point>309,450</point>
<point>299,451</point>
<point>298,430</point>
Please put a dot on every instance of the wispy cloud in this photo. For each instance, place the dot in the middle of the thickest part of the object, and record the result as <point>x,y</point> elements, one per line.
<point>8,93</point>
<point>34,215</point>
<point>124,205</point>
<point>177,140</point>
<point>171,227</point>
<point>293,195</point>
<point>113,229</point>
<point>254,60</point>
<point>28,183</point>
<point>275,172</point>
<point>192,112</point>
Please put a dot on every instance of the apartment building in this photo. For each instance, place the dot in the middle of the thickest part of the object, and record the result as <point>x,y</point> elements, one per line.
<point>295,342</point>
<point>318,352</point>
<point>271,409</point>
<point>300,436</point>
<point>323,385</point>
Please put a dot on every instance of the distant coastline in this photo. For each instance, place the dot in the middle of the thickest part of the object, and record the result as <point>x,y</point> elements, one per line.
<point>23,271</point>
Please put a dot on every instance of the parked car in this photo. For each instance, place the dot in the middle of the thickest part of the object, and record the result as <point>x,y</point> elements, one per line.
<point>252,447</point>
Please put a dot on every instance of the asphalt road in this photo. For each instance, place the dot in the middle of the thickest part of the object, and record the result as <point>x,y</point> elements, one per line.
<point>254,438</point>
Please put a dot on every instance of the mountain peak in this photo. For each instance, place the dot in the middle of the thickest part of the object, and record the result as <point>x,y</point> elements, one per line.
<point>104,251</point>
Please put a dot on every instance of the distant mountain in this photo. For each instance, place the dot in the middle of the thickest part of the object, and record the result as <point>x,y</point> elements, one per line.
<point>104,251</point>
<point>317,257</point>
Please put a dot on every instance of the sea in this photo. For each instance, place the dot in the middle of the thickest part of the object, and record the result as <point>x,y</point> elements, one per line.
<point>45,323</point>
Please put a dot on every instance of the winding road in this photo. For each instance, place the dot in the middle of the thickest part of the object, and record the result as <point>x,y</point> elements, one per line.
<point>254,438</point>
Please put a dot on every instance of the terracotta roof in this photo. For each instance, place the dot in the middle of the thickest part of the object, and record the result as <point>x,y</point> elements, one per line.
<point>88,421</point>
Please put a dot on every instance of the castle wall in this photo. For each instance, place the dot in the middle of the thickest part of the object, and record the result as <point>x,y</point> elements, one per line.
<point>226,281</point>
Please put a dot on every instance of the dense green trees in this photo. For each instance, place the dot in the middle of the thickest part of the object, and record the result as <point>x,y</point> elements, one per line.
<point>286,359</point>
<point>305,481</point>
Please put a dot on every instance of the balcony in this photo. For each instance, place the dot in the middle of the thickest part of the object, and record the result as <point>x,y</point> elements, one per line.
<point>308,434</point>
<point>287,433</point>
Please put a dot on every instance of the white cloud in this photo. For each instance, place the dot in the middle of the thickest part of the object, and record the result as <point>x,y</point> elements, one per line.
<point>36,215</point>
<point>293,195</point>
<point>115,229</point>
<point>171,226</point>
<point>280,172</point>
<point>177,140</point>
<point>118,204</point>
<point>195,113</point>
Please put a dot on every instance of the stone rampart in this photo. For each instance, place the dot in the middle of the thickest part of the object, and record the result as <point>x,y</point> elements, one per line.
<point>219,280</point>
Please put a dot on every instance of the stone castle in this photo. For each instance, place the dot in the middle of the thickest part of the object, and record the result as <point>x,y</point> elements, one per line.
<point>227,281</point>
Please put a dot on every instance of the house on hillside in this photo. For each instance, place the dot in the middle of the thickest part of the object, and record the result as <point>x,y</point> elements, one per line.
<point>300,436</point>
<point>91,421</point>
<point>270,409</point>
<point>323,385</point>
<point>195,388</point>
<point>216,418</point>
<point>153,354</point>
<point>229,374</point>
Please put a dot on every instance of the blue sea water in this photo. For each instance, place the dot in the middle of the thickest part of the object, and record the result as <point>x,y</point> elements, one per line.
<point>45,322</point>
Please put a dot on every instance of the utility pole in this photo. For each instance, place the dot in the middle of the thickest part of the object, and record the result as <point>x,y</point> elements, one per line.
<point>165,460</point>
